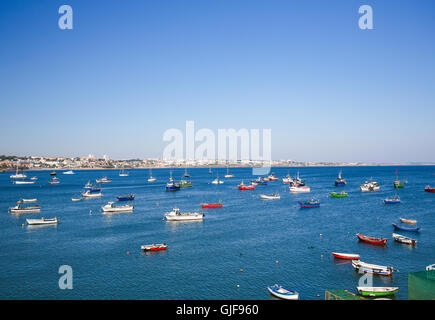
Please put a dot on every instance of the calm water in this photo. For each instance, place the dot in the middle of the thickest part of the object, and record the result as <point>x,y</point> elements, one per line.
<point>204,259</point>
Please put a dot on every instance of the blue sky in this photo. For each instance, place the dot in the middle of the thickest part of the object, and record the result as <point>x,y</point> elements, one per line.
<point>129,70</point>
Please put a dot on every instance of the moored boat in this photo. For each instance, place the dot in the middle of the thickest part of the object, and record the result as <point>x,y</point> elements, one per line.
<point>339,194</point>
<point>392,200</point>
<point>376,291</point>
<point>370,186</point>
<point>372,240</point>
<point>211,205</point>
<point>347,256</point>
<point>297,189</point>
<point>34,178</point>
<point>53,173</point>
<point>128,197</point>
<point>69,172</point>
<point>272,177</point>
<point>228,175</point>
<point>91,193</point>
<point>243,186</point>
<point>408,221</point>
<point>403,239</point>
<point>186,175</point>
<point>283,293</point>
<point>21,209</point>
<point>217,181</point>
<point>313,203</point>
<point>18,175</point>
<point>340,182</point>
<point>151,178</point>
<point>259,182</point>
<point>176,215</point>
<point>185,184</point>
<point>274,196</point>
<point>29,200</point>
<point>77,199</point>
<point>110,207</point>
<point>103,180</point>
<point>54,181</point>
<point>405,228</point>
<point>373,268</point>
<point>24,181</point>
<point>42,221</point>
<point>429,189</point>
<point>122,173</point>
<point>287,179</point>
<point>171,185</point>
<point>154,247</point>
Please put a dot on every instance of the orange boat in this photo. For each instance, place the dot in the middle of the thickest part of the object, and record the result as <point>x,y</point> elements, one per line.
<point>211,205</point>
<point>372,240</point>
<point>154,247</point>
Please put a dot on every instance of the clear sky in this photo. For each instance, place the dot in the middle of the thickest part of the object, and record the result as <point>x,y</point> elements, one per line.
<point>129,70</point>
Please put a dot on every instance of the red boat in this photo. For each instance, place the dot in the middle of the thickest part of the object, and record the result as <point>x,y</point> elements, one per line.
<point>154,247</point>
<point>349,256</point>
<point>242,186</point>
<point>429,189</point>
<point>372,240</point>
<point>211,205</point>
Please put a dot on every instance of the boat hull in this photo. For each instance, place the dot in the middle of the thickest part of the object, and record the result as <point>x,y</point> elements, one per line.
<point>211,205</point>
<point>403,228</point>
<point>346,256</point>
<point>372,240</point>
<point>377,291</point>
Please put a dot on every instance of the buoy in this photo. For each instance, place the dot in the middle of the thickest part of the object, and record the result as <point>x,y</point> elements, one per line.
<point>238,286</point>
<point>321,256</point>
<point>128,252</point>
<point>22,225</point>
<point>276,261</point>
<point>320,234</point>
<point>241,270</point>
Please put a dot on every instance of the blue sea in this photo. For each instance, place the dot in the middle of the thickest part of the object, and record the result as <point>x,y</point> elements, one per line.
<point>234,253</point>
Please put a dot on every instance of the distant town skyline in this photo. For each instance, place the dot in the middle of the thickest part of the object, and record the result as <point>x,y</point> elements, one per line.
<point>126,73</point>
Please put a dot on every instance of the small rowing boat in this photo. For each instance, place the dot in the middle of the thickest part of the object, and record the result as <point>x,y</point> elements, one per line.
<point>110,207</point>
<point>211,205</point>
<point>77,199</point>
<point>275,196</point>
<point>347,256</point>
<point>376,291</point>
<point>283,293</point>
<point>339,195</point>
<point>154,247</point>
<point>129,197</point>
<point>372,240</point>
<point>310,204</point>
<point>404,228</point>
<point>42,221</point>
<point>408,221</point>
<point>373,268</point>
<point>403,239</point>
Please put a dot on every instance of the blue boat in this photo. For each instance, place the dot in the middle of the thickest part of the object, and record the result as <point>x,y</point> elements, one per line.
<point>89,186</point>
<point>259,182</point>
<point>340,182</point>
<point>126,198</point>
<point>412,229</point>
<point>310,204</point>
<point>283,292</point>
<point>392,200</point>
<point>172,186</point>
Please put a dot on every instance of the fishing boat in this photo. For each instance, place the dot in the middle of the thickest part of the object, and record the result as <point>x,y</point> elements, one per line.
<point>429,189</point>
<point>370,186</point>
<point>42,221</point>
<point>90,186</point>
<point>228,175</point>
<point>172,186</point>
<point>217,181</point>
<point>297,189</point>
<point>69,172</point>
<point>259,182</point>
<point>29,200</point>
<point>54,181</point>
<point>282,292</point>
<point>211,205</point>
<point>373,268</point>
<point>154,247</point>
<point>272,177</point>
<point>393,200</point>
<point>404,228</point>
<point>339,194</point>
<point>408,221</point>
<point>186,175</point>
<point>151,178</point>
<point>372,240</point>
<point>176,215</point>
<point>376,291</point>
<point>21,209</point>
<point>103,180</point>
<point>403,239</point>
<point>53,173</point>
<point>274,196</point>
<point>287,179</point>
<point>111,207</point>
<point>92,193</point>
<point>24,181</point>
<point>340,182</point>
<point>298,181</point>
<point>122,173</point>
<point>243,186</point>
<point>128,197</point>
<point>313,203</point>
<point>346,256</point>
<point>397,183</point>
<point>18,175</point>
<point>185,184</point>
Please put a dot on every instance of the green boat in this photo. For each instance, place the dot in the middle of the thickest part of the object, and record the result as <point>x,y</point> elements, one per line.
<point>398,184</point>
<point>185,184</point>
<point>377,291</point>
<point>339,195</point>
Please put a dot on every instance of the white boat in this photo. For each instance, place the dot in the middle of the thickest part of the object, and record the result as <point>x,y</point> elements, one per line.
<point>42,221</point>
<point>217,181</point>
<point>77,199</point>
<point>176,215</point>
<point>34,178</point>
<point>370,186</point>
<point>373,268</point>
<point>29,200</point>
<point>287,179</point>
<point>122,173</point>
<point>18,175</point>
<point>92,194</point>
<point>110,207</point>
<point>403,239</point>
<point>408,221</point>
<point>69,172</point>
<point>103,180</point>
<point>23,182</point>
<point>20,209</point>
<point>283,293</point>
<point>54,181</point>
<point>151,178</point>
<point>228,175</point>
<point>296,189</point>
<point>271,197</point>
